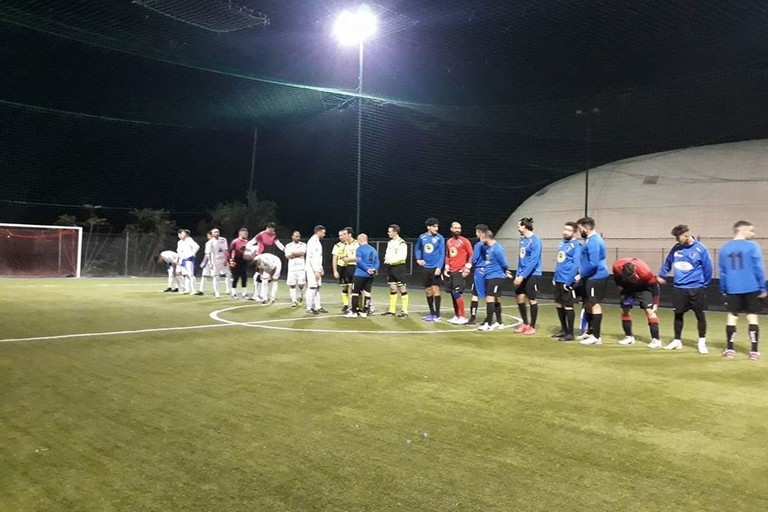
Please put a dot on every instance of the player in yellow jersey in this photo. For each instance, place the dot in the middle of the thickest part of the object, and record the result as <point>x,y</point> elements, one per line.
<point>395,259</point>
<point>343,264</point>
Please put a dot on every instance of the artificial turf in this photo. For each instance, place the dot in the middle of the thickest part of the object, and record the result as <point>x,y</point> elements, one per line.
<point>304,415</point>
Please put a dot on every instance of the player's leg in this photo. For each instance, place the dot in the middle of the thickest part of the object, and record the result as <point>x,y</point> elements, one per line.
<point>290,281</point>
<point>392,284</point>
<point>682,302</point>
<point>437,297</point>
<point>753,308</point>
<point>366,295</point>
<point>645,299</point>
<point>473,303</point>
<point>354,302</point>
<point>532,292</point>
<point>595,290</point>
<point>521,307</point>
<point>191,279</point>
<point>492,305</point>
<point>567,299</point>
<point>560,309</point>
<point>312,291</point>
<point>699,306</point>
<point>457,293</point>
<point>301,284</point>
<point>345,288</point>
<point>428,274</point>
<point>734,307</point>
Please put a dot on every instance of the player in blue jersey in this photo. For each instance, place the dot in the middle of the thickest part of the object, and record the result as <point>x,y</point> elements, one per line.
<point>478,283</point>
<point>566,267</point>
<point>593,271</point>
<point>692,267</point>
<point>429,252</point>
<point>742,281</point>
<point>496,270</point>
<point>527,276</point>
<point>367,265</point>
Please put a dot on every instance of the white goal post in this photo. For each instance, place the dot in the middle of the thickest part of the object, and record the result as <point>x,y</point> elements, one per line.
<point>34,250</point>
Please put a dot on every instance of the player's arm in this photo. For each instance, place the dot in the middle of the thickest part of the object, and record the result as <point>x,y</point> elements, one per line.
<point>706,267</point>
<point>723,265</point>
<point>253,242</point>
<point>758,268</point>
<point>374,263</point>
<point>279,245</point>
<point>667,266</point>
<point>418,252</point>
<point>577,248</point>
<point>501,259</point>
<point>441,253</point>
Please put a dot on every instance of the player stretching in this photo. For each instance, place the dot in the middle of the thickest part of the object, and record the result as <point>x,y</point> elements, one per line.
<point>742,280</point>
<point>430,254</point>
<point>637,283</point>
<point>343,262</point>
<point>394,259</point>
<point>268,267</point>
<point>315,271</point>
<point>171,259</point>
<point>692,267</point>
<point>205,265</point>
<point>295,251</point>
<point>594,272</point>
<point>527,276</point>
<point>496,270</point>
<point>187,248</point>
<point>238,264</point>
<point>478,256</point>
<point>366,267</point>
<point>458,259</point>
<point>566,268</point>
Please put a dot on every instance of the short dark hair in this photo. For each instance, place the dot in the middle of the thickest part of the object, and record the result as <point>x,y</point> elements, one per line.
<point>572,224</point>
<point>395,228</point>
<point>628,269</point>
<point>741,224</point>
<point>271,225</point>
<point>242,229</point>
<point>431,222</point>
<point>482,227</point>
<point>295,231</point>
<point>527,223</point>
<point>586,221</point>
<point>679,230</point>
<point>319,227</point>
<point>489,234</point>
<point>185,231</point>
<point>349,230</point>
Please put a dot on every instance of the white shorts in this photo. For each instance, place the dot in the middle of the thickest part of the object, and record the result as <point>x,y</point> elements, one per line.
<point>274,275</point>
<point>312,281</point>
<point>207,271</point>
<point>186,268</point>
<point>220,268</point>
<point>296,277</point>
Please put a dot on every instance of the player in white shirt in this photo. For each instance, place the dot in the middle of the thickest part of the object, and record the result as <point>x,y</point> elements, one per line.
<point>314,262</point>
<point>268,267</point>
<point>217,259</point>
<point>171,260</point>
<point>205,265</point>
<point>296,252</point>
<point>187,248</point>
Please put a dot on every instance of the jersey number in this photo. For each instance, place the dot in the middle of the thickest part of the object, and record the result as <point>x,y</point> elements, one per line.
<point>737,261</point>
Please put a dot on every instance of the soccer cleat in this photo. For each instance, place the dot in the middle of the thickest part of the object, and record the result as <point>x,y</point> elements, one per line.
<point>168,290</point>
<point>363,314</point>
<point>529,330</point>
<point>294,304</point>
<point>437,319</point>
<point>754,356</point>
<point>321,310</point>
<point>461,320</point>
<point>245,296</point>
<point>566,337</point>
<point>674,345</point>
<point>591,341</point>
<point>471,321</point>
<point>485,328</point>
<point>388,313</point>
<point>520,328</point>
<point>271,301</point>
<point>198,293</point>
<point>312,312</point>
<point>453,320</point>
<point>729,353</point>
<point>351,314</point>
<point>345,309</point>
<point>428,318</point>
<point>654,344</point>
<point>702,347</point>
<point>627,340</point>
<point>558,334</point>
<point>403,314</point>
<point>216,295</point>
<point>585,335</point>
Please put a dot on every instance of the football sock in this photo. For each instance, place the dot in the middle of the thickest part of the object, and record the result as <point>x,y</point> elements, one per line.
<point>490,307</point>
<point>626,324</point>
<point>405,300</point>
<point>497,310</point>
<point>523,312</point>
<point>431,304</point>
<point>460,311</point>
<point>701,323</point>
<point>534,313</point>
<point>392,301</point>
<point>473,309</point>
<point>561,317</point>
<point>754,337</point>
<point>653,325</point>
<point>438,300</point>
<point>215,280</point>
<point>292,291</point>
<point>730,336</point>
<point>273,291</point>
<point>678,325</point>
<point>570,316</point>
<point>597,320</point>
<point>366,303</point>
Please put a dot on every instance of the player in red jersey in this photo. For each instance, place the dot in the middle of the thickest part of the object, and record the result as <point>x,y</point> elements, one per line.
<point>637,282</point>
<point>457,259</point>
<point>266,241</point>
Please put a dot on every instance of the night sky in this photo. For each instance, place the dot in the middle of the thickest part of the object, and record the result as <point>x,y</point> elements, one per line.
<point>474,104</point>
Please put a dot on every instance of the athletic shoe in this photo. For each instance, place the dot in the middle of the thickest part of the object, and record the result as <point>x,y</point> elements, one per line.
<point>559,334</point>
<point>216,295</point>
<point>754,356</point>
<point>245,296</point>
<point>584,336</point>
<point>461,321</point>
<point>168,290</point>
<point>529,330</point>
<point>322,310</point>
<point>437,319</point>
<point>294,304</point>
<point>471,321</point>
<point>428,318</point>
<point>403,314</point>
<point>674,345</point>
<point>270,301</point>
<point>312,312</point>
<point>351,314</point>
<point>627,340</point>
<point>702,346</point>
<point>198,293</point>
<point>521,328</point>
<point>235,296</point>
<point>362,314</point>
<point>654,344</point>
<point>729,354</point>
<point>591,341</point>
<point>345,309</point>
<point>496,325</point>
<point>485,328</point>
<point>301,301</point>
<point>388,313</point>
<point>566,337</point>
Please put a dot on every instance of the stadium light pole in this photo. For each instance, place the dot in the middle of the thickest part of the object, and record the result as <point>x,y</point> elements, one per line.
<point>354,27</point>
<point>587,115</point>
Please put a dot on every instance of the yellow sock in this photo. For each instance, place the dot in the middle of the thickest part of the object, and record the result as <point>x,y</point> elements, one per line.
<point>392,302</point>
<point>345,299</point>
<point>405,303</point>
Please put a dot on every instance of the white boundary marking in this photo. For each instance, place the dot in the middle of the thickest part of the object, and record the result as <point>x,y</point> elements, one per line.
<point>112,333</point>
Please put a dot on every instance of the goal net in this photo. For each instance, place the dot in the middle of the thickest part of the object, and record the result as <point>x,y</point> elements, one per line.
<point>28,250</point>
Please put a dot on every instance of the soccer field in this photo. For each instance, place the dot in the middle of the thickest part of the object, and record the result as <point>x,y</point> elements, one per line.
<point>116,397</point>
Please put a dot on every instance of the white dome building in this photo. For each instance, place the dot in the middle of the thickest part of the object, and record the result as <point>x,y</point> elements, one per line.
<point>636,202</point>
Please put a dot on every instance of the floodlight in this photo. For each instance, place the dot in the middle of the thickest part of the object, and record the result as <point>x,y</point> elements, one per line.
<point>355,26</point>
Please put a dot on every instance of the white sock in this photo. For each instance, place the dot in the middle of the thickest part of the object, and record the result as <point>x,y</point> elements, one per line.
<point>273,291</point>
<point>170,278</point>
<point>192,283</point>
<point>300,293</point>
<point>311,298</point>
<point>317,299</point>
<point>227,283</point>
<point>264,292</point>
<point>202,283</point>
<point>292,291</point>
<point>215,280</point>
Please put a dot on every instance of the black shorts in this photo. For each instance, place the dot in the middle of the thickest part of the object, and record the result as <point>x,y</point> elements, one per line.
<point>748,303</point>
<point>455,283</point>
<point>642,296</point>
<point>396,274</point>
<point>430,279</point>
<point>361,284</point>
<point>684,299</point>
<point>580,290</point>
<point>529,287</point>
<point>240,269</point>
<point>565,296</point>
<point>493,287</point>
<point>347,274</point>
<point>595,290</point>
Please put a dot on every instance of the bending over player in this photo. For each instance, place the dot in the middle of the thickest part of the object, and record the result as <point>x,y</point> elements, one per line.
<point>637,283</point>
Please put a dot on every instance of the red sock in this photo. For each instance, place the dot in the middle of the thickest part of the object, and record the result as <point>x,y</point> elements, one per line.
<point>460,307</point>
